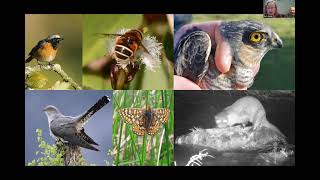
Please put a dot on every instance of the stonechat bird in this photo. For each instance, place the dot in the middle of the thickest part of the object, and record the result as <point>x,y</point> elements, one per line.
<point>46,49</point>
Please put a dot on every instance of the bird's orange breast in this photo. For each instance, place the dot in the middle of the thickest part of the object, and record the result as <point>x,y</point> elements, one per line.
<point>46,52</point>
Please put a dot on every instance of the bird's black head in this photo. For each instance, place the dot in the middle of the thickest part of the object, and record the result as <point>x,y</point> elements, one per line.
<point>54,40</point>
<point>249,40</point>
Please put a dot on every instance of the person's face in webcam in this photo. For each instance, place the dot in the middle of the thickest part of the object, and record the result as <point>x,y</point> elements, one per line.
<point>292,11</point>
<point>271,9</point>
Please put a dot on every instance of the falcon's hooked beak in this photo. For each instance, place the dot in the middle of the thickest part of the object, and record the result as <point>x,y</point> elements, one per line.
<point>276,41</point>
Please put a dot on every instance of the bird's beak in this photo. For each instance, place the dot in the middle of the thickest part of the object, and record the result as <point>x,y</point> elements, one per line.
<point>44,109</point>
<point>276,41</point>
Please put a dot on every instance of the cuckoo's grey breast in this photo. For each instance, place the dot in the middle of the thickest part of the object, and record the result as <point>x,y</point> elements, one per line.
<point>71,129</point>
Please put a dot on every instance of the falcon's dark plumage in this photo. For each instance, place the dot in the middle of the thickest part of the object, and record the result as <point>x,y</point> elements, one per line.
<point>249,42</point>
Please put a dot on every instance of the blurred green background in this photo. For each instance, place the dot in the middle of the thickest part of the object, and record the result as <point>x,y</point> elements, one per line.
<point>95,47</point>
<point>277,70</point>
<point>39,26</point>
<point>142,150</point>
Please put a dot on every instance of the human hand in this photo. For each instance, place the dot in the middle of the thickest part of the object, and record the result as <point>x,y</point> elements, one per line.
<point>223,52</point>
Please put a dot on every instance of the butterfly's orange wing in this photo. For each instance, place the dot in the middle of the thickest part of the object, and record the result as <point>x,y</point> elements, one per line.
<point>129,115</point>
<point>134,117</point>
<point>138,127</point>
<point>161,114</point>
<point>154,127</point>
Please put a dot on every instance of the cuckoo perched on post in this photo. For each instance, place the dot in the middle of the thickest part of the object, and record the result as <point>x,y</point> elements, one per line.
<point>71,129</point>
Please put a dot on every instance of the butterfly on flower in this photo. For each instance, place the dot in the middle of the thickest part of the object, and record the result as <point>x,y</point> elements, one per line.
<point>145,120</point>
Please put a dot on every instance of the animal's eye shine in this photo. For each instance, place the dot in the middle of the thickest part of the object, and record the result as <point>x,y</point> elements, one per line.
<point>257,37</point>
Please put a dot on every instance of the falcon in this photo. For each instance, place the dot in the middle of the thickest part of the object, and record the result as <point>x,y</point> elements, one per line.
<point>195,53</point>
<point>71,129</point>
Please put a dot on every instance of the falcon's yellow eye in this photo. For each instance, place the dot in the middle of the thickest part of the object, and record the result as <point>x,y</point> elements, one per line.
<point>256,37</point>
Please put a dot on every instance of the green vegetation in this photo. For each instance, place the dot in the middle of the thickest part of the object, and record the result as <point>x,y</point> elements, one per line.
<point>49,154</point>
<point>95,47</point>
<point>52,155</point>
<point>133,150</point>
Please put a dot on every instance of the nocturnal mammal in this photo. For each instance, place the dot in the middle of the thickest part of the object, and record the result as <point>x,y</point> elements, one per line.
<point>246,111</point>
<point>241,126</point>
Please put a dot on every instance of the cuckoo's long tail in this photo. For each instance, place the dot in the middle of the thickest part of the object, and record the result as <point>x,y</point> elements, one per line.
<point>96,107</point>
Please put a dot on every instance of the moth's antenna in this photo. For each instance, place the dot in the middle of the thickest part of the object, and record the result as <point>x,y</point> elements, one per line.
<point>147,98</point>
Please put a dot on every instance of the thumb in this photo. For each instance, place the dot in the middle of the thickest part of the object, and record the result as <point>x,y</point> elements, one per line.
<point>223,54</point>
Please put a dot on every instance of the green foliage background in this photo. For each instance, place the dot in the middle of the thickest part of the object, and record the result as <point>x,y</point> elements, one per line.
<point>49,155</point>
<point>277,70</point>
<point>142,150</point>
<point>95,47</point>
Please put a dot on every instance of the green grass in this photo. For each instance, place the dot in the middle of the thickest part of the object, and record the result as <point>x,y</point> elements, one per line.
<point>277,70</point>
<point>142,150</point>
<point>95,47</point>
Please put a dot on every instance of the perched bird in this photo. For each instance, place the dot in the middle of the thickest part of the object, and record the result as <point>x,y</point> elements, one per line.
<point>71,129</point>
<point>249,42</point>
<point>46,49</point>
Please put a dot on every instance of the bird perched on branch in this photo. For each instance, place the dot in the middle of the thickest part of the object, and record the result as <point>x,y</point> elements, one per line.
<point>200,49</point>
<point>71,129</point>
<point>46,49</point>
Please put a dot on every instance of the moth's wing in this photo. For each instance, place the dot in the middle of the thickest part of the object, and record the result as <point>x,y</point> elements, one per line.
<point>130,115</point>
<point>154,127</point>
<point>138,126</point>
<point>161,114</point>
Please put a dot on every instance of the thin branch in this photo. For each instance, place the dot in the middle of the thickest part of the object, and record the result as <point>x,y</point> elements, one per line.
<point>56,68</point>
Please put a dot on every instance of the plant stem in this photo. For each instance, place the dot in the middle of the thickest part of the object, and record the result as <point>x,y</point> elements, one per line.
<point>56,68</point>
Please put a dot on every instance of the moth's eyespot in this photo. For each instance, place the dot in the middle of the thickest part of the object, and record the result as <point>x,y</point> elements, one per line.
<point>257,37</point>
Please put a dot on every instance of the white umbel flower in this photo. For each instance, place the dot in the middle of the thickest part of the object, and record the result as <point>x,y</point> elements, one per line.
<point>151,60</point>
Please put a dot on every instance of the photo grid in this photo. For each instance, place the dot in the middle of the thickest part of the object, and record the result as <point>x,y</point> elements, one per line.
<point>161,89</point>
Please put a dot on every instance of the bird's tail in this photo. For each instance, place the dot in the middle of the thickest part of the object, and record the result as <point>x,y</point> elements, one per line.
<point>96,107</point>
<point>92,148</point>
<point>87,138</point>
<point>83,140</point>
<point>29,59</point>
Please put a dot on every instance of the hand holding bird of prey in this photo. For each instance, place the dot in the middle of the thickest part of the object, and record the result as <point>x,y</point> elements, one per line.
<point>71,129</point>
<point>221,54</point>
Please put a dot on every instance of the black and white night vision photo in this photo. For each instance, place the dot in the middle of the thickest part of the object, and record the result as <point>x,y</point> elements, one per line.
<point>234,128</point>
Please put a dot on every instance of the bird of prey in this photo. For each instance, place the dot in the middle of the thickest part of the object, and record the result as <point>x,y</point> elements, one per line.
<point>46,49</point>
<point>248,40</point>
<point>71,129</point>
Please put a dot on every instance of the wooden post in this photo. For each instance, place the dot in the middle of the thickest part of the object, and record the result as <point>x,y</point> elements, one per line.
<point>71,153</point>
